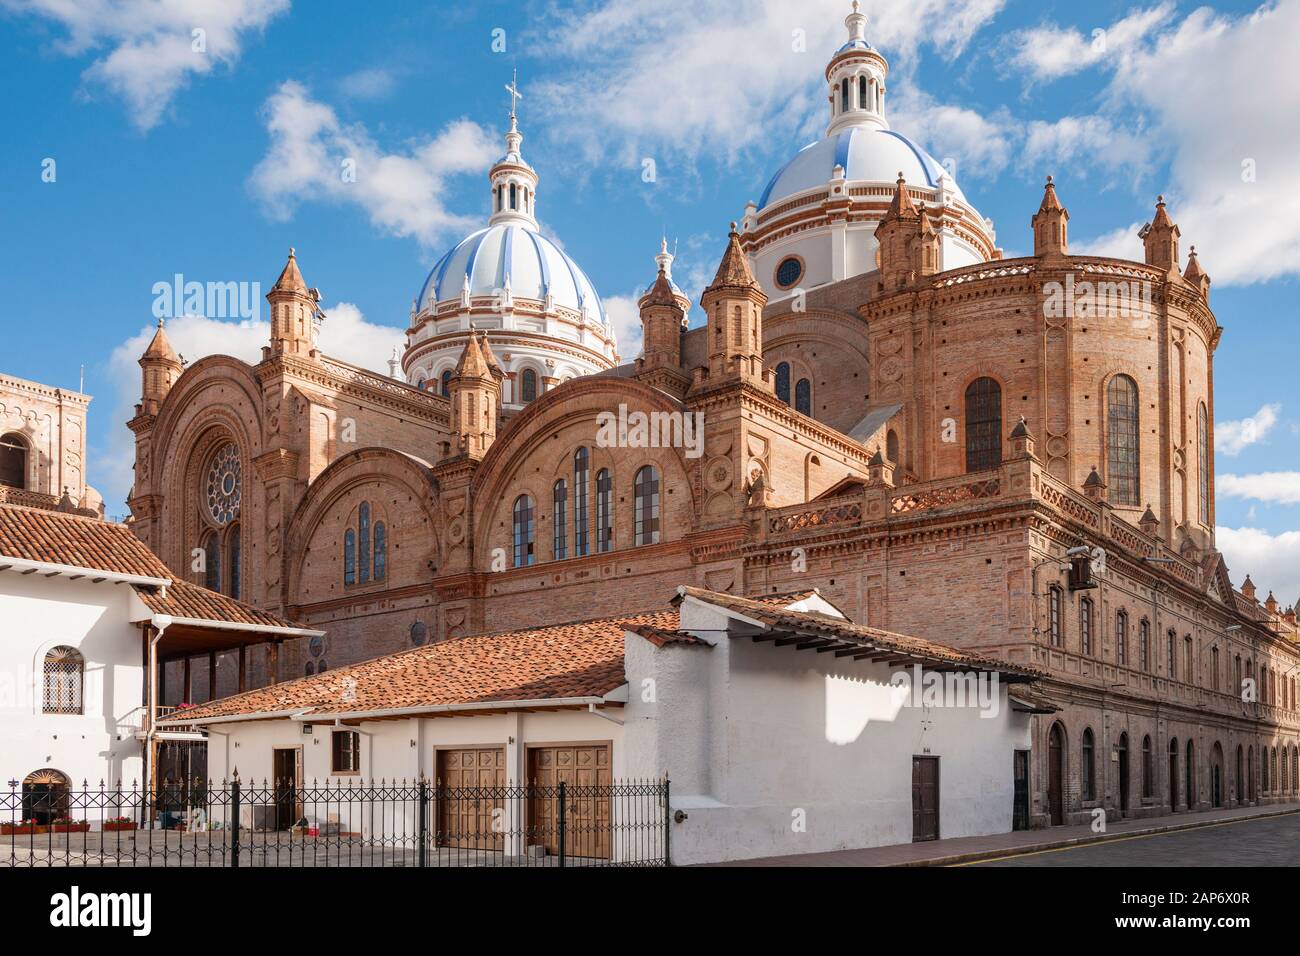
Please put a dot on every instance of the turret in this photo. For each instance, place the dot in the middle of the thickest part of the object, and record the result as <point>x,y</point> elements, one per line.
<point>475,391</point>
<point>663,317</point>
<point>294,310</point>
<point>1196,275</point>
<point>897,234</point>
<point>1049,225</point>
<point>734,306</point>
<point>1248,589</point>
<point>1160,239</point>
<point>160,366</point>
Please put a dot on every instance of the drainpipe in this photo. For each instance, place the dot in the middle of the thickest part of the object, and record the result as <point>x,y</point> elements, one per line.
<point>160,623</point>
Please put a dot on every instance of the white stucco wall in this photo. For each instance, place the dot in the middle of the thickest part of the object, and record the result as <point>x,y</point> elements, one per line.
<point>800,752</point>
<point>38,613</point>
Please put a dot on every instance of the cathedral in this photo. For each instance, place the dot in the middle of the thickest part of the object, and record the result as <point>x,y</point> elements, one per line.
<point>1008,456</point>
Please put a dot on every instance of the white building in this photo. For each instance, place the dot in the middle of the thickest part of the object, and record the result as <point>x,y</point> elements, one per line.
<point>85,609</point>
<point>782,727</point>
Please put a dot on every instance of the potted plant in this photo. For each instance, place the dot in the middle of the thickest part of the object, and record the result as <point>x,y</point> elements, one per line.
<point>69,825</point>
<point>25,827</point>
<point>119,823</point>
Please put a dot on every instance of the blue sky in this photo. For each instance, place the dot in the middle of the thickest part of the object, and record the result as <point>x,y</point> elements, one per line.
<point>211,163</point>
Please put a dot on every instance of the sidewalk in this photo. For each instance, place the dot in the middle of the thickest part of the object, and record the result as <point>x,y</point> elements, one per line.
<point>968,849</point>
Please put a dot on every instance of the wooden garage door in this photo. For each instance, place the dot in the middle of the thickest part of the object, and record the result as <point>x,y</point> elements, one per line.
<point>584,769</point>
<point>471,785</point>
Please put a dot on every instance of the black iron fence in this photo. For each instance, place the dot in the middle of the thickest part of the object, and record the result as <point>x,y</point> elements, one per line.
<point>339,823</point>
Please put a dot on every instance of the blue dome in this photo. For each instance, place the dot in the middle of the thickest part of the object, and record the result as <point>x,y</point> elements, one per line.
<point>534,265</point>
<point>867,153</point>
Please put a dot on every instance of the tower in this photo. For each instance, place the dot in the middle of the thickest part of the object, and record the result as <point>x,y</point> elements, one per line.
<point>897,233</point>
<point>663,321</point>
<point>160,366</point>
<point>514,182</point>
<point>856,79</point>
<point>475,390</point>
<point>294,310</point>
<point>1160,239</point>
<point>1049,224</point>
<point>734,306</point>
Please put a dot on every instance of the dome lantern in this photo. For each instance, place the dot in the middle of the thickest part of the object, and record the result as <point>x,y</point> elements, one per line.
<point>856,75</point>
<point>514,182</point>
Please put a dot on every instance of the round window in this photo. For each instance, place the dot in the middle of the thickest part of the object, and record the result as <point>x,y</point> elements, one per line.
<point>316,645</point>
<point>789,271</point>
<point>418,633</point>
<point>223,484</point>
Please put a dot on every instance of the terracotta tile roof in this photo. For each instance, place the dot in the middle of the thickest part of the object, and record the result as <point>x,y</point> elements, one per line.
<point>579,659</point>
<point>185,600</point>
<point>809,622</point>
<point>785,598</point>
<point>660,636</point>
<point>55,537</point>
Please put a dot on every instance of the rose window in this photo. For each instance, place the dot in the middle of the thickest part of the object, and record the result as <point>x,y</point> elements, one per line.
<point>223,484</point>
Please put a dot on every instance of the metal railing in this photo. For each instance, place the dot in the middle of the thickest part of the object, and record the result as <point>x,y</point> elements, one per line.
<point>419,823</point>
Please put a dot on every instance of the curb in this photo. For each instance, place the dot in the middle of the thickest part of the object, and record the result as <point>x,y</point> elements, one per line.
<point>977,855</point>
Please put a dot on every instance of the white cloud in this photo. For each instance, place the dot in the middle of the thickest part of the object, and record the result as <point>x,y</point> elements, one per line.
<point>1274,487</point>
<point>690,78</point>
<point>1271,560</point>
<point>967,143</point>
<point>313,156</point>
<point>370,84</point>
<point>345,335</point>
<point>1049,52</point>
<point>150,46</point>
<point>1231,437</point>
<point>625,317</point>
<point>1080,144</point>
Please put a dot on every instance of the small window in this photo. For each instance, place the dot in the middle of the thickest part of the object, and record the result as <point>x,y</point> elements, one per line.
<point>514,197</point>
<point>646,509</point>
<point>803,397</point>
<point>446,384</point>
<point>1189,660</point>
<point>1144,646</point>
<point>1121,638</point>
<point>418,633</point>
<point>363,541</point>
<point>13,461</point>
<point>891,446</point>
<point>528,385</point>
<point>349,557</point>
<point>233,548</point>
<point>783,381</point>
<point>983,425</point>
<point>523,518</point>
<point>1085,627</point>
<point>64,678</point>
<point>844,94</point>
<point>1171,664</point>
<point>560,520</point>
<point>604,511</point>
<point>862,92</point>
<point>212,562</point>
<point>1087,769</point>
<point>581,479</point>
<point>1054,615</point>
<point>788,272</point>
<point>1148,784</point>
<point>347,750</point>
<point>381,551</point>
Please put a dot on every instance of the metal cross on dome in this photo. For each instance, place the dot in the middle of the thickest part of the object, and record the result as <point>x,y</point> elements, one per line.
<point>513,89</point>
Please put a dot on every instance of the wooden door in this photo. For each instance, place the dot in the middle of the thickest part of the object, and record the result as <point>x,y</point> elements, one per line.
<point>1055,776</point>
<point>471,797</point>
<point>585,771</point>
<point>1123,775</point>
<point>1020,790</point>
<point>925,798</point>
<point>286,764</point>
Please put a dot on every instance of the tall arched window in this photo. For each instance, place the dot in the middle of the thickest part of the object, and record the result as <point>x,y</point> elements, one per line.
<point>1122,442</point>
<point>1203,460</point>
<point>1144,645</point>
<point>1085,627</point>
<point>363,542</point>
<point>560,522</point>
<point>844,94</point>
<point>1087,769</point>
<point>13,461</point>
<point>1148,783</point>
<point>212,562</point>
<point>783,381</point>
<point>1171,664</point>
<point>646,508</point>
<point>528,385</point>
<point>983,424</point>
<point>381,551</point>
<point>1054,615</point>
<point>523,531</point>
<point>862,92</point>
<point>349,557</point>
<point>64,674</point>
<point>446,384</point>
<point>514,196</point>
<point>581,479</point>
<point>891,446</point>
<point>1121,638</point>
<point>604,510</point>
<point>233,549</point>
<point>803,397</point>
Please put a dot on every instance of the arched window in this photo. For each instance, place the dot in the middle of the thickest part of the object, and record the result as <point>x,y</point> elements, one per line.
<point>446,384</point>
<point>783,381</point>
<point>983,425</point>
<point>212,562</point>
<point>45,796</point>
<point>234,550</point>
<point>560,523</point>
<point>420,384</point>
<point>1085,627</point>
<point>1148,768</point>
<point>13,461</point>
<point>1122,440</point>
<point>363,542</point>
<point>646,506</point>
<point>1189,661</point>
<point>844,94</point>
<point>891,446</point>
<point>528,385</point>
<point>862,92</point>
<point>309,668</point>
<point>1121,638</point>
<point>514,196</point>
<point>1171,651</point>
<point>381,551</point>
<point>1214,667</point>
<point>1087,770</point>
<point>1054,615</point>
<point>349,557</point>
<point>1263,770</point>
<point>1203,460</point>
<point>604,510</point>
<point>581,477</point>
<point>803,397</point>
<point>64,673</point>
<point>1144,645</point>
<point>523,531</point>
